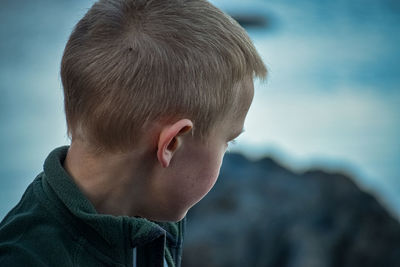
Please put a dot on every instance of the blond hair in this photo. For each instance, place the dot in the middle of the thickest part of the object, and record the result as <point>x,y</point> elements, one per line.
<point>129,62</point>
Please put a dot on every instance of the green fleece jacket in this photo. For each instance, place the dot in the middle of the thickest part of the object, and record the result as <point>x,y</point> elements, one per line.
<point>55,225</point>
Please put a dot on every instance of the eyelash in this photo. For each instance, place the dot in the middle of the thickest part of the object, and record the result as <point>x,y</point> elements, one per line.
<point>232,142</point>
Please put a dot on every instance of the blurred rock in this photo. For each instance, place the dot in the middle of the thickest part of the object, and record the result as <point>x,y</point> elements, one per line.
<point>262,214</point>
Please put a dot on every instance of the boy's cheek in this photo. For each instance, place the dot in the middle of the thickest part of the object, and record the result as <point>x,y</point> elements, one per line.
<point>192,189</point>
<point>195,175</point>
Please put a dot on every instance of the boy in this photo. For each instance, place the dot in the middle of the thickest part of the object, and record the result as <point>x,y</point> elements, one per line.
<point>154,91</point>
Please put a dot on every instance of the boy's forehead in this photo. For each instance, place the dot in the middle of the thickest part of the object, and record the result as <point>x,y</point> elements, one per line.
<point>244,98</point>
<point>236,116</point>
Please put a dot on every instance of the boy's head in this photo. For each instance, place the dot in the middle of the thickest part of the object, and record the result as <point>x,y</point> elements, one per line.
<point>130,64</point>
<point>139,75</point>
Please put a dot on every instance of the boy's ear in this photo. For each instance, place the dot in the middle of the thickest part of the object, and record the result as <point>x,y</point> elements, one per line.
<point>169,141</point>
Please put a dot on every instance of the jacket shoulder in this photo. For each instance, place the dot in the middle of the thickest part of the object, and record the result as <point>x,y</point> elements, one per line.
<point>30,234</point>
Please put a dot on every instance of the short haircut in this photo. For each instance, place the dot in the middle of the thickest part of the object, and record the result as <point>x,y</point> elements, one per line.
<point>128,63</point>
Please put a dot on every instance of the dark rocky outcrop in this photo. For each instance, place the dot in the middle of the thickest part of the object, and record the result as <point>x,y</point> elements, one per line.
<point>262,214</point>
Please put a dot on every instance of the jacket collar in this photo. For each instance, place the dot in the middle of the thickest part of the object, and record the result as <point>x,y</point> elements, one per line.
<point>131,231</point>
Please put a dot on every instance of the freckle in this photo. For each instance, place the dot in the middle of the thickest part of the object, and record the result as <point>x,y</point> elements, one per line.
<point>130,49</point>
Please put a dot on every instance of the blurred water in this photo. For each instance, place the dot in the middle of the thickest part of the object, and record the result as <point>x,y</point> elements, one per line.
<point>331,99</point>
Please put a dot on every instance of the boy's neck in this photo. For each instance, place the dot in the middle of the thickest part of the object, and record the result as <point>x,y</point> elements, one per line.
<point>116,184</point>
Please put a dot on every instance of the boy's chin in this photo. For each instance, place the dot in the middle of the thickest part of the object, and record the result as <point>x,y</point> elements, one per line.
<point>173,217</point>
<point>180,218</point>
